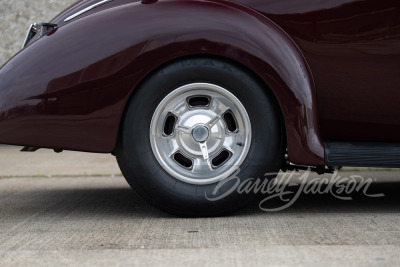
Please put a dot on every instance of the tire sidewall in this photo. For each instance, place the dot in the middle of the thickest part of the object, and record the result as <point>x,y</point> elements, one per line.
<point>144,173</point>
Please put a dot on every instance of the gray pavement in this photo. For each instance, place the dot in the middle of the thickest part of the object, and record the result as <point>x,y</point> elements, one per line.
<point>101,221</point>
<point>61,218</point>
<point>46,163</point>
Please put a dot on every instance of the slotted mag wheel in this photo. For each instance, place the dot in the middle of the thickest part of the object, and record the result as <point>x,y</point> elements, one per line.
<point>200,133</point>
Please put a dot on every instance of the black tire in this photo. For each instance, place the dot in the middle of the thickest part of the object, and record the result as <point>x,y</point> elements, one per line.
<point>144,173</point>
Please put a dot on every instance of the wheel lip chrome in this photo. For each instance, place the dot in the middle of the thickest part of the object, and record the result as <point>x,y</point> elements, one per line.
<point>184,174</point>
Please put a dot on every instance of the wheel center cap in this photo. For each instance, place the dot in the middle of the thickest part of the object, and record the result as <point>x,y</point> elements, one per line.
<point>200,133</point>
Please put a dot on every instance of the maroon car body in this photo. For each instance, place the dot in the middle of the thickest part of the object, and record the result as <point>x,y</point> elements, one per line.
<point>323,73</point>
<point>332,65</point>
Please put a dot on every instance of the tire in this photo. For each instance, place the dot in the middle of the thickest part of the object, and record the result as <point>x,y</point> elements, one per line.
<point>193,123</point>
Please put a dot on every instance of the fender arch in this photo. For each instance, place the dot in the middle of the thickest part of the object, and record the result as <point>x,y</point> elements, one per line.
<point>69,89</point>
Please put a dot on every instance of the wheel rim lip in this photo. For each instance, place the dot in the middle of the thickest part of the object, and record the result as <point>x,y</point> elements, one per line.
<point>184,175</point>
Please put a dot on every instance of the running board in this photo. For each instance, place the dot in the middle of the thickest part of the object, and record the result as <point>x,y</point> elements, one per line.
<point>362,154</point>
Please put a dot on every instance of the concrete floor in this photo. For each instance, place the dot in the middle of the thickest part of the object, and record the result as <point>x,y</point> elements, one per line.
<point>92,220</point>
<point>46,163</point>
<point>100,220</point>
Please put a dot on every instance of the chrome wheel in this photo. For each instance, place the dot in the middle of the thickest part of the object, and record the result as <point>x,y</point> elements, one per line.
<point>177,142</point>
<point>200,133</point>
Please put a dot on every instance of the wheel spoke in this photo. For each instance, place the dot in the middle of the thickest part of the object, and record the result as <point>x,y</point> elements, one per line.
<point>179,109</point>
<point>213,121</point>
<point>173,147</point>
<point>204,150</point>
<point>201,165</point>
<point>219,107</point>
<point>230,143</point>
<point>184,129</point>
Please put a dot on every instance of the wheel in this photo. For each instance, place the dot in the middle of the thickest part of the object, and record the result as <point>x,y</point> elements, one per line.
<point>192,124</point>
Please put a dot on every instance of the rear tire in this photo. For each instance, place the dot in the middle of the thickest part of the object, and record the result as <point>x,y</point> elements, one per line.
<point>192,124</point>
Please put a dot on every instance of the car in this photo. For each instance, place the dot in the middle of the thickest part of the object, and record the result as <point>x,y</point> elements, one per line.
<point>188,93</point>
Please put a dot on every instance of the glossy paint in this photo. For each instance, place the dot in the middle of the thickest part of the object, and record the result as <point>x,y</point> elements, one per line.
<point>69,88</point>
<point>61,18</point>
<point>353,49</point>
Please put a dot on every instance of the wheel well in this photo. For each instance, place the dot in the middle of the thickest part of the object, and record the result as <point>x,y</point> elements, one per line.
<point>244,68</point>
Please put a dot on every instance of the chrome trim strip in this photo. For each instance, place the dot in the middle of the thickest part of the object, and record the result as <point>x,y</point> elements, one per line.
<point>87,9</point>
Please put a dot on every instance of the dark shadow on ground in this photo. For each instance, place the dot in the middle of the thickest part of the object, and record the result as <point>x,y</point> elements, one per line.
<point>356,202</point>
<point>125,202</point>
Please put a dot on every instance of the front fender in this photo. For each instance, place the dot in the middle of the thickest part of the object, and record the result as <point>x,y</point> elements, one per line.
<point>69,88</point>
